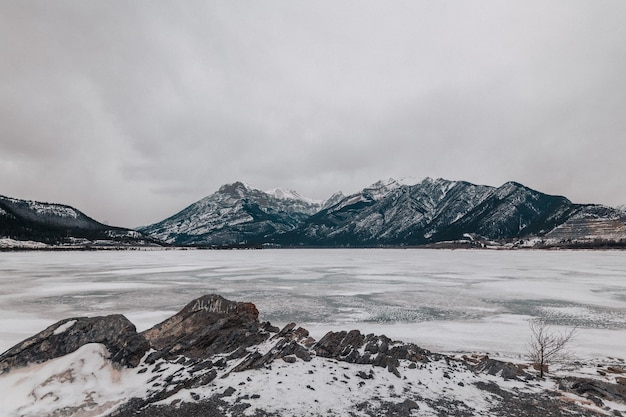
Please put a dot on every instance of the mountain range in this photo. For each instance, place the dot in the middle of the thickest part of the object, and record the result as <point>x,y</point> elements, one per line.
<point>388,213</point>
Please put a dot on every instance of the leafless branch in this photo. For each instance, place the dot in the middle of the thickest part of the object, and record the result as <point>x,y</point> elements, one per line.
<point>547,346</point>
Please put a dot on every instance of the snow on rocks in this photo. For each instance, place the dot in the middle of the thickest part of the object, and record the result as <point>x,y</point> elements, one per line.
<point>214,358</point>
<point>115,331</point>
<point>82,383</point>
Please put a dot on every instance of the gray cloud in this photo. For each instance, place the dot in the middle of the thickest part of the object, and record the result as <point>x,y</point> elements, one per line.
<point>132,110</point>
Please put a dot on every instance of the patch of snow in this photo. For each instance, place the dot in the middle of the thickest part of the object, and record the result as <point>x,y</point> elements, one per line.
<point>240,220</point>
<point>9,243</point>
<point>380,189</point>
<point>286,194</point>
<point>334,199</point>
<point>83,382</point>
<point>64,327</point>
<point>56,210</point>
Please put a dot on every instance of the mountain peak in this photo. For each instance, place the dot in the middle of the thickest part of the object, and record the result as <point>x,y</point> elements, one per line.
<point>381,188</point>
<point>237,213</point>
<point>442,183</point>
<point>239,189</point>
<point>392,183</point>
<point>286,194</point>
<point>236,189</point>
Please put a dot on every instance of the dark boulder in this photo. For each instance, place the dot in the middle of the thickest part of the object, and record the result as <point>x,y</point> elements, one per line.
<point>207,326</point>
<point>594,389</point>
<point>291,344</point>
<point>506,370</point>
<point>119,335</point>
<point>354,347</point>
<point>339,345</point>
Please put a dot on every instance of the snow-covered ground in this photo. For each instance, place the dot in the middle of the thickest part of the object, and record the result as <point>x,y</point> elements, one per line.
<point>84,383</point>
<point>448,301</point>
<point>9,243</point>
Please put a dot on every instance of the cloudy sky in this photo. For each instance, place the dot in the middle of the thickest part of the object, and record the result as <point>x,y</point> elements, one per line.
<point>132,110</point>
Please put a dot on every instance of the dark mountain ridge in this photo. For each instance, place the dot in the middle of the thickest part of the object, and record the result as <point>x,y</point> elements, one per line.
<point>59,224</point>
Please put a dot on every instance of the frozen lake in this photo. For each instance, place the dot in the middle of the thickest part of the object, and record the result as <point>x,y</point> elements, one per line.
<point>442,300</point>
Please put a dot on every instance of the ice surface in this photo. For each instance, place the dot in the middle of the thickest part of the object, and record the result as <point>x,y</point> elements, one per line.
<point>442,300</point>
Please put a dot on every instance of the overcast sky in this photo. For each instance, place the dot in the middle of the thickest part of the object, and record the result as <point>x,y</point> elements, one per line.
<point>132,110</point>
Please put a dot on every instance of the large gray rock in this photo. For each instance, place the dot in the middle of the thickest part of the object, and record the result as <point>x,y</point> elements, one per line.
<point>291,344</point>
<point>505,370</point>
<point>595,390</point>
<point>207,326</point>
<point>116,332</point>
<point>354,347</point>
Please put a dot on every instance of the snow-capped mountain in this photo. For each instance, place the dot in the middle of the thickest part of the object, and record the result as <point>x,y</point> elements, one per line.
<point>236,214</point>
<point>388,213</point>
<point>432,211</point>
<point>40,223</point>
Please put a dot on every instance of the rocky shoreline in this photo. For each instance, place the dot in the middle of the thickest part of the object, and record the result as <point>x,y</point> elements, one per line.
<point>215,358</point>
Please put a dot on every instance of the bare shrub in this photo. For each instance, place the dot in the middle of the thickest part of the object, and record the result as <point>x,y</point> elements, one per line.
<point>547,346</point>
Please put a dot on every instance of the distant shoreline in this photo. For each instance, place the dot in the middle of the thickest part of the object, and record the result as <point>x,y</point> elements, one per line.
<point>600,246</point>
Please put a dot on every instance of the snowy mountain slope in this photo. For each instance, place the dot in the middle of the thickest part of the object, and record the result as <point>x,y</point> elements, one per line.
<point>510,211</point>
<point>515,211</point>
<point>375,192</point>
<point>591,222</point>
<point>334,199</point>
<point>423,208</point>
<point>236,214</point>
<point>57,215</point>
<point>401,214</point>
<point>49,223</point>
<point>344,217</point>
